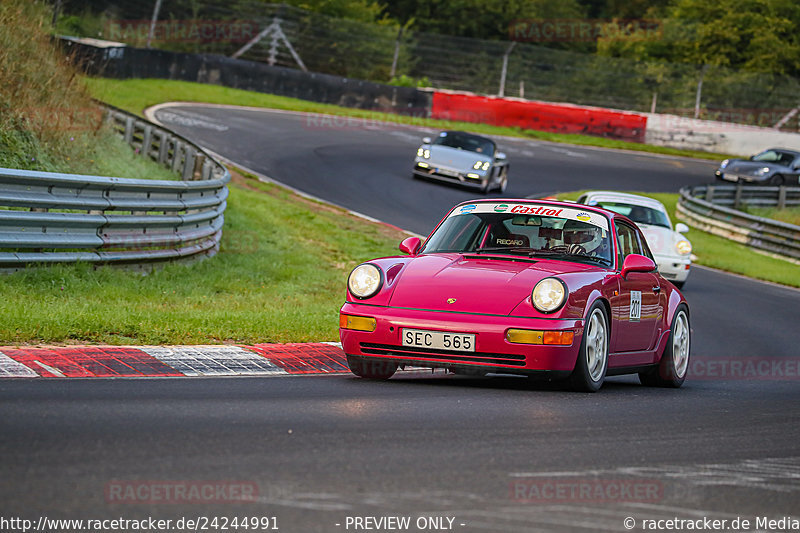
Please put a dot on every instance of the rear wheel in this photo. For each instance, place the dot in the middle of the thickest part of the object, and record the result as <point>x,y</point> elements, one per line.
<point>371,369</point>
<point>671,370</point>
<point>592,363</point>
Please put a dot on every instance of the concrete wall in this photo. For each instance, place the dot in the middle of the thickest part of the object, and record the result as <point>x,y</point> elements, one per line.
<point>711,136</point>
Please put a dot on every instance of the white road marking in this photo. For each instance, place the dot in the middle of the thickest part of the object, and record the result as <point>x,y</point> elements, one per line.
<point>56,372</point>
<point>10,368</point>
<point>775,474</point>
<point>213,360</point>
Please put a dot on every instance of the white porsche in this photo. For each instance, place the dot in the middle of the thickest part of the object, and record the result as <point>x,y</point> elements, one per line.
<point>671,249</point>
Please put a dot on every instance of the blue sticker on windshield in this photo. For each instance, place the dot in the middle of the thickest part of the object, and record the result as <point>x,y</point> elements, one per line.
<point>467,209</point>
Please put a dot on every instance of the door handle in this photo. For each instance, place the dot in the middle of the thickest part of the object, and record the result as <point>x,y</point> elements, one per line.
<point>656,289</point>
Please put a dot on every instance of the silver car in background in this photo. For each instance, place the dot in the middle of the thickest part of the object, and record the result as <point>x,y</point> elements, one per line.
<point>671,249</point>
<point>776,166</point>
<point>464,158</point>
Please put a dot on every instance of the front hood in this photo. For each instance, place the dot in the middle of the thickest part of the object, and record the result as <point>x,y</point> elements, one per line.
<point>445,156</point>
<point>750,167</point>
<point>479,284</point>
<point>661,240</point>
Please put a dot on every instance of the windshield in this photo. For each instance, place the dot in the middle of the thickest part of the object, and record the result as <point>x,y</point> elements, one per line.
<point>560,235</point>
<point>465,141</point>
<point>774,156</point>
<point>638,213</point>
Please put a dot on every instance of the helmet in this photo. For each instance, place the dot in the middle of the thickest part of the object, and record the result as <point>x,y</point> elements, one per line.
<point>582,236</point>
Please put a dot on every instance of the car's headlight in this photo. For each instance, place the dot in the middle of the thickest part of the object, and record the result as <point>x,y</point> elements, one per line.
<point>549,295</point>
<point>481,165</point>
<point>683,247</point>
<point>761,171</point>
<point>724,163</point>
<point>365,280</point>
<point>423,153</point>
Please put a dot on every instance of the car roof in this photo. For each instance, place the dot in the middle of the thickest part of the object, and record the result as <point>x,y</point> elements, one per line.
<point>785,150</point>
<point>635,199</point>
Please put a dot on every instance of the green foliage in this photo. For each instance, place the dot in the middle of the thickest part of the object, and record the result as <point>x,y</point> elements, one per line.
<point>47,118</point>
<point>407,81</point>
<point>753,35</point>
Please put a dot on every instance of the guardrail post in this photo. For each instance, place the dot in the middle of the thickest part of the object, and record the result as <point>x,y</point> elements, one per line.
<point>129,130</point>
<point>710,193</point>
<point>176,156</point>
<point>188,164</point>
<point>737,198</point>
<point>163,147</point>
<point>147,141</point>
<point>781,197</point>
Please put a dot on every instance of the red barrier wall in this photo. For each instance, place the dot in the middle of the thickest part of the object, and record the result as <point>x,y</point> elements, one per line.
<point>559,118</point>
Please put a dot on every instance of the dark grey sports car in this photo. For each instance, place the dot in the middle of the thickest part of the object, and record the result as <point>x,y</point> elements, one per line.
<point>776,166</point>
<point>464,158</point>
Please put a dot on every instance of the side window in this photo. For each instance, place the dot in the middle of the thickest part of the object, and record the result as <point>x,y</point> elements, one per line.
<point>628,241</point>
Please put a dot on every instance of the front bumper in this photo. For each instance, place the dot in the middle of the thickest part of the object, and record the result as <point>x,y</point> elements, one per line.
<point>674,268</point>
<point>493,353</point>
<point>433,171</point>
<point>741,178</point>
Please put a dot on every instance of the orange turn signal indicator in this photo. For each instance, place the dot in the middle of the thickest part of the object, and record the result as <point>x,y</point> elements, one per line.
<point>530,336</point>
<point>358,323</point>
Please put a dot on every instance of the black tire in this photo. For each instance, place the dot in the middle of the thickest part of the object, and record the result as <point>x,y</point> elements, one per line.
<point>503,183</point>
<point>371,368</point>
<point>589,373</point>
<point>674,364</point>
<point>778,180</point>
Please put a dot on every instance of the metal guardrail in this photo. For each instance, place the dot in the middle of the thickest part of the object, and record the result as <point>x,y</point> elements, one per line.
<point>48,217</point>
<point>699,206</point>
<point>740,195</point>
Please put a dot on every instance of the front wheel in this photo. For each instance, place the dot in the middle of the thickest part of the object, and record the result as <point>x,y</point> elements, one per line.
<point>371,368</point>
<point>672,368</point>
<point>592,363</point>
<point>503,183</point>
<point>778,180</point>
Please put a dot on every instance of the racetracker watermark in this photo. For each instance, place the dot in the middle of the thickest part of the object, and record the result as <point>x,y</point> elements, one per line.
<point>369,121</point>
<point>572,490</point>
<point>584,30</point>
<point>744,368</point>
<point>182,31</point>
<point>718,120</point>
<point>180,492</point>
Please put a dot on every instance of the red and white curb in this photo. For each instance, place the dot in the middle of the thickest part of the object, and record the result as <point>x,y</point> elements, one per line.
<point>171,361</point>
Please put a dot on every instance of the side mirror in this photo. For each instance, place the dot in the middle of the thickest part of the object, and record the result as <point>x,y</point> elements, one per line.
<point>426,140</point>
<point>500,156</point>
<point>410,246</point>
<point>680,227</point>
<point>637,263</point>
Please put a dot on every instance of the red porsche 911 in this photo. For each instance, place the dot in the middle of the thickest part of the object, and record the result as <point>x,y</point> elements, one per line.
<point>529,287</point>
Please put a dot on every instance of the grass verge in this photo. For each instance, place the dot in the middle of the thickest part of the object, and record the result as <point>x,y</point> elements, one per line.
<point>279,277</point>
<point>137,94</point>
<point>717,252</point>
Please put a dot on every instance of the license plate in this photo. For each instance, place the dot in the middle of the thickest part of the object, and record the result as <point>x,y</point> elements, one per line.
<point>439,340</point>
<point>730,177</point>
<point>446,172</point>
